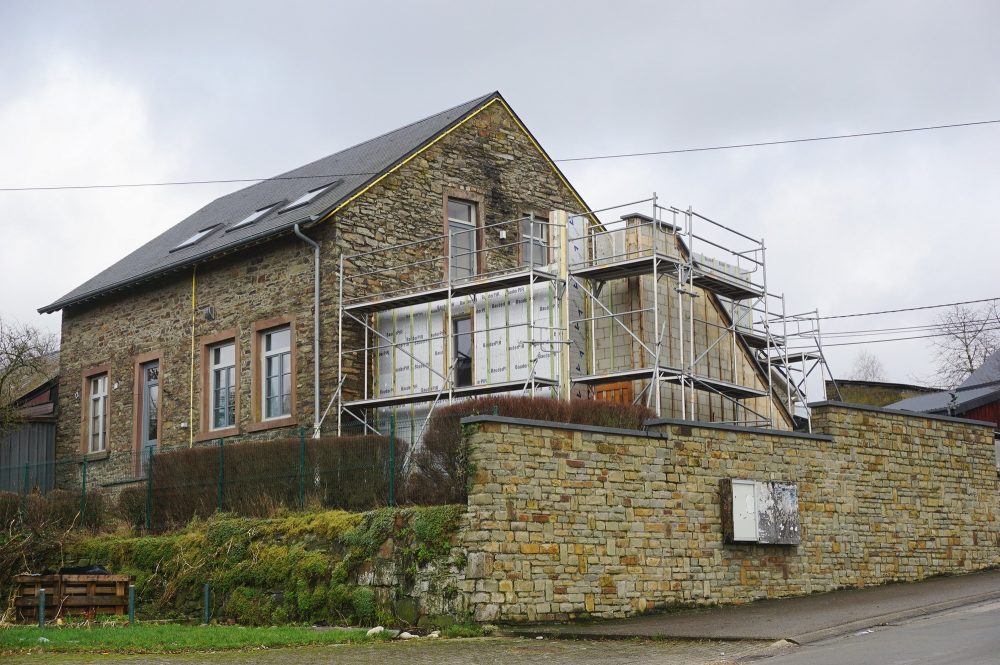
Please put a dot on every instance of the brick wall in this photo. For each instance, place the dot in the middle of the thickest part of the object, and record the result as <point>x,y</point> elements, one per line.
<point>571,521</point>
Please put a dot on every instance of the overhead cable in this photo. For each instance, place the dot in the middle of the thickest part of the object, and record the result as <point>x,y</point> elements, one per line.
<point>675,151</point>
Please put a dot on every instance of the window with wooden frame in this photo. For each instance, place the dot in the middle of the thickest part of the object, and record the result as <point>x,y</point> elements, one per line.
<point>94,408</point>
<point>220,377</point>
<point>146,398</point>
<point>463,239</point>
<point>462,346</point>
<point>463,234</point>
<point>534,240</point>
<point>273,373</point>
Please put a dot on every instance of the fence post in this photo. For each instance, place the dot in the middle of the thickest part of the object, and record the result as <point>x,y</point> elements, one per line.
<point>83,489</point>
<point>302,468</point>
<point>207,614</point>
<point>222,475</point>
<point>131,604</point>
<point>392,459</point>
<point>149,491</point>
<point>41,608</point>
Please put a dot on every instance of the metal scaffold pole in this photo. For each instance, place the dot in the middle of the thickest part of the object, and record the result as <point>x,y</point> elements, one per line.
<point>656,314</point>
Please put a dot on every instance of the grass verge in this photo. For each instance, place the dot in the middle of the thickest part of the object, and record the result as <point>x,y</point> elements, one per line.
<point>166,638</point>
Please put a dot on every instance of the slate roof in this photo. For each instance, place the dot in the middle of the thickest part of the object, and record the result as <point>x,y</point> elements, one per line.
<point>348,171</point>
<point>982,387</point>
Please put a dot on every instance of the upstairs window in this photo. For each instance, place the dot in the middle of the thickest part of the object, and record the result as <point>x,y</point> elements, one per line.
<point>463,238</point>
<point>308,197</point>
<point>534,241</point>
<point>253,217</point>
<point>196,238</point>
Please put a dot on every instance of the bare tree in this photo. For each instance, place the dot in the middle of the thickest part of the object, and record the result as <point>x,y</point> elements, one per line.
<point>867,367</point>
<point>26,355</point>
<point>967,336</point>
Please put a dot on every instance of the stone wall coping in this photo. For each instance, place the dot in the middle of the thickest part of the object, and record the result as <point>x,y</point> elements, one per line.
<point>527,422</point>
<point>901,412</point>
<point>726,427</point>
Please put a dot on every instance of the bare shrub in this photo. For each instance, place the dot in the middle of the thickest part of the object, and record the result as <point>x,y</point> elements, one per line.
<point>441,465</point>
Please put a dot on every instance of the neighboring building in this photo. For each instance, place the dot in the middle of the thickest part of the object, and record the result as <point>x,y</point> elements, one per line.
<point>976,398</point>
<point>405,245</point>
<point>874,393</point>
<point>28,448</point>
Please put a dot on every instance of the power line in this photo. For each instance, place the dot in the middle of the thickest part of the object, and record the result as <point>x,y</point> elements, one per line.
<point>954,328</point>
<point>169,183</point>
<point>909,309</point>
<point>880,341</point>
<point>675,151</point>
<point>783,141</point>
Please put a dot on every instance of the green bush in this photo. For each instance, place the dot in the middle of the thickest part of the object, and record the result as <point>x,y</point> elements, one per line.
<point>441,463</point>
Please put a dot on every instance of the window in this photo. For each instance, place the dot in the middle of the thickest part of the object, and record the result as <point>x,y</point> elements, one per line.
<point>462,341</point>
<point>277,373</point>
<point>463,238</point>
<point>150,405</point>
<point>196,238</point>
<point>223,385</point>
<point>146,409</point>
<point>309,196</point>
<point>253,217</point>
<point>97,413</point>
<point>534,241</point>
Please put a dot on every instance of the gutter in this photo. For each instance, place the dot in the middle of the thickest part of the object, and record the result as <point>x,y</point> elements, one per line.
<point>309,241</point>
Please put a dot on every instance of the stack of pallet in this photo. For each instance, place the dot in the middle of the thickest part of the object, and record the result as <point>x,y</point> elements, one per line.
<point>75,595</point>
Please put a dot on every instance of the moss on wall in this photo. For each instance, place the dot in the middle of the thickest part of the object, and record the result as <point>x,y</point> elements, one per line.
<point>332,566</point>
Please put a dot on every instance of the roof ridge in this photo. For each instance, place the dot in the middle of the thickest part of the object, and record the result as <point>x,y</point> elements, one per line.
<point>475,100</point>
<point>147,260</point>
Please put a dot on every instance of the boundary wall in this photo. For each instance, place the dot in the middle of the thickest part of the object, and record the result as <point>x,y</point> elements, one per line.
<point>568,521</point>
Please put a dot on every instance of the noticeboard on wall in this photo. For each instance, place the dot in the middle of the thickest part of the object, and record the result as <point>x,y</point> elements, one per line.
<point>765,512</point>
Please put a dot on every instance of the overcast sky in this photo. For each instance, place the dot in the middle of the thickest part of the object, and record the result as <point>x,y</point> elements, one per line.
<point>108,92</point>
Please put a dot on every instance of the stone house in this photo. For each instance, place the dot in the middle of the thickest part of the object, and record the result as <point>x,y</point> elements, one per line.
<point>230,324</point>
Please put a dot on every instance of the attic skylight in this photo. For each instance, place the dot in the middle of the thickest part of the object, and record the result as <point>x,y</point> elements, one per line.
<point>308,197</point>
<point>196,238</point>
<point>253,217</point>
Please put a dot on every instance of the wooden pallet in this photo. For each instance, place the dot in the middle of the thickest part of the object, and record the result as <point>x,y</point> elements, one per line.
<point>87,595</point>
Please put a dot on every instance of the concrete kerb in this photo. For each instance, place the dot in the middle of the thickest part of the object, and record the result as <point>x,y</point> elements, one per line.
<point>647,628</point>
<point>883,619</point>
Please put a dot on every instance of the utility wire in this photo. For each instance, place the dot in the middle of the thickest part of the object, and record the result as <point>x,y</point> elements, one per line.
<point>926,327</point>
<point>675,151</point>
<point>909,309</point>
<point>879,341</point>
<point>782,141</point>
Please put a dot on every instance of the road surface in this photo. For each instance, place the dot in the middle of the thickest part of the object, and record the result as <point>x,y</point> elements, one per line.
<point>967,635</point>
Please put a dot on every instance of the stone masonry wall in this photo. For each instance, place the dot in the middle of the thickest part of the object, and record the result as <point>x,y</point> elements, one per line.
<point>568,521</point>
<point>488,159</point>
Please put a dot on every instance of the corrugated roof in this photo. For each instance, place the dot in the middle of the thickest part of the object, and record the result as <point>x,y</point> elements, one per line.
<point>347,171</point>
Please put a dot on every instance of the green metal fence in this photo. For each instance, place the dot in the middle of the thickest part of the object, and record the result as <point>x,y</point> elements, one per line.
<point>358,470</point>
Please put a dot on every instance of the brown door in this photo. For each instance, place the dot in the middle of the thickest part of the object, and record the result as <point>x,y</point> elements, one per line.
<point>621,392</point>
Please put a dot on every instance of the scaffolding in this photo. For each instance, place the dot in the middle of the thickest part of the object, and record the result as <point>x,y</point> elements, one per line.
<point>699,326</point>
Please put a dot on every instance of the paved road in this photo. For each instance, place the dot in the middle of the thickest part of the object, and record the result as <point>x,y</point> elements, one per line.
<point>804,619</point>
<point>487,651</point>
<point>963,636</point>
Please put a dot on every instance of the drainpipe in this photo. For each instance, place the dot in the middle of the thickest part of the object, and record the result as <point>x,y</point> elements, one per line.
<point>315,246</point>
